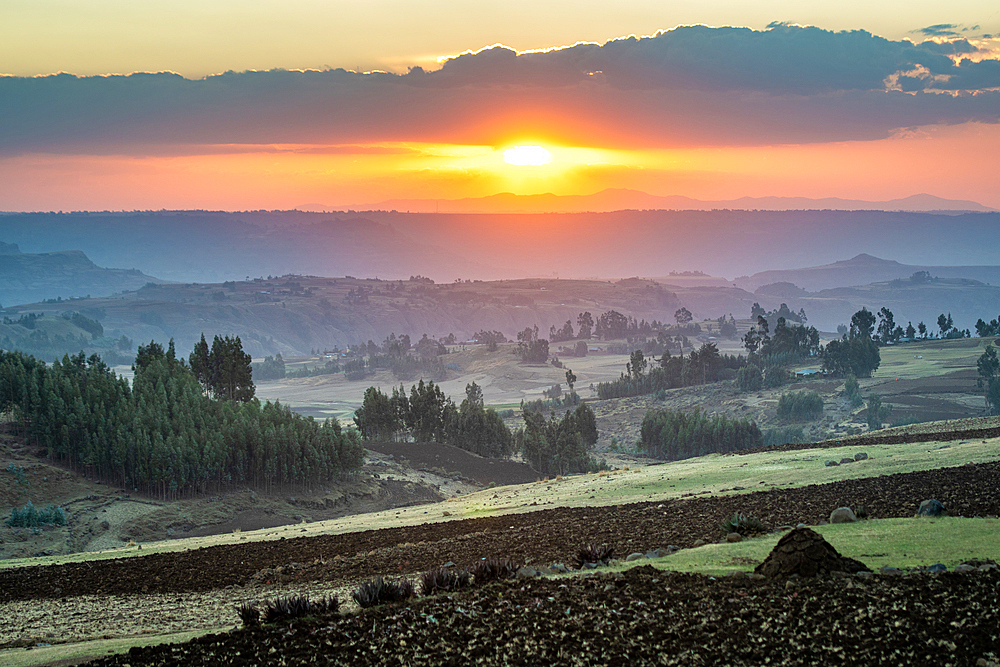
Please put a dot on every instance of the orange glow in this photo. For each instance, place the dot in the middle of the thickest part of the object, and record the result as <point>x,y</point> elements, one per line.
<point>955,162</point>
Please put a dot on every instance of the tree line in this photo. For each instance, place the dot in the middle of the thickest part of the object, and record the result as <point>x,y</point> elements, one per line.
<point>674,435</point>
<point>427,415</point>
<point>164,435</point>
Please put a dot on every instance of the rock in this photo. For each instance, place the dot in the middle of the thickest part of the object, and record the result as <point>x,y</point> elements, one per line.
<point>633,556</point>
<point>559,567</point>
<point>653,553</point>
<point>885,569</point>
<point>699,543</point>
<point>804,552</point>
<point>938,567</point>
<point>860,456</point>
<point>847,459</point>
<point>843,515</point>
<point>734,537</point>
<point>931,508</point>
<point>965,568</point>
<point>527,572</point>
<point>831,463</point>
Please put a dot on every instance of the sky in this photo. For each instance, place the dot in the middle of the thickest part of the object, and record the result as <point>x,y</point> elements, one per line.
<point>114,105</point>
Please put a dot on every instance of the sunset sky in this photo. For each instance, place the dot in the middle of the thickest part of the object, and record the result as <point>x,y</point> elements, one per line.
<point>236,105</point>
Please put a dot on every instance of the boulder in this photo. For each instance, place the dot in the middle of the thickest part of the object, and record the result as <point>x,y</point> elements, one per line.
<point>860,456</point>
<point>734,537</point>
<point>847,459</point>
<point>633,556</point>
<point>831,463</point>
<point>843,515</point>
<point>931,508</point>
<point>805,553</point>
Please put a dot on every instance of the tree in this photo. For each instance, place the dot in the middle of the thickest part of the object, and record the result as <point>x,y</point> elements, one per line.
<point>877,413</point>
<point>637,364</point>
<point>856,353</point>
<point>945,324</point>
<point>474,394</point>
<point>911,333</point>
<point>683,316</point>
<point>862,324</point>
<point>886,325</point>
<point>580,349</point>
<point>988,366</point>
<point>225,371</point>
<point>585,322</point>
<point>376,419</point>
<point>922,328</point>
<point>570,379</point>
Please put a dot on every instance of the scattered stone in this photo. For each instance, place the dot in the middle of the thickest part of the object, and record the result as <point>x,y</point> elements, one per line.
<point>801,525</point>
<point>860,456</point>
<point>734,537</point>
<point>885,569</point>
<point>633,556</point>
<point>831,463</point>
<point>843,515</point>
<point>528,572</point>
<point>847,459</point>
<point>559,567</point>
<point>654,553</point>
<point>804,552</point>
<point>446,513</point>
<point>699,543</point>
<point>938,567</point>
<point>931,508</point>
<point>738,574</point>
<point>965,568</point>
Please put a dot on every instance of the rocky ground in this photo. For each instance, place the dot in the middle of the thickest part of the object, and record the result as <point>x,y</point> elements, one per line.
<point>645,616</point>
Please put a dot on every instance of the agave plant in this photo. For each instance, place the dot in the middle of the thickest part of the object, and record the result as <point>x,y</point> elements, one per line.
<point>249,614</point>
<point>379,591</point>
<point>743,524</point>
<point>295,606</point>
<point>593,553</point>
<point>442,579</point>
<point>486,570</point>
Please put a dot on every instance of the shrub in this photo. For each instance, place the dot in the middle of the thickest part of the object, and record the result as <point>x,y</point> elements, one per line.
<point>592,553</point>
<point>800,406</point>
<point>852,390</point>
<point>743,524</point>
<point>379,591</point>
<point>443,580</point>
<point>486,570</point>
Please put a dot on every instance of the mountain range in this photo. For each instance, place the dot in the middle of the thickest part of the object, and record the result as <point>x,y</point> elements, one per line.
<point>619,199</point>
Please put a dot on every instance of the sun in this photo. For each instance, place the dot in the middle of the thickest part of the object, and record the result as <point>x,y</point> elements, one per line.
<point>527,155</point>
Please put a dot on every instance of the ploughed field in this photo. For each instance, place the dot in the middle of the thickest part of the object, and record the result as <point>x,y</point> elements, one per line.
<point>642,616</point>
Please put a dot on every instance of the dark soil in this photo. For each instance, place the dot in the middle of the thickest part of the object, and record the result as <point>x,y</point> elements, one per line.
<point>641,617</point>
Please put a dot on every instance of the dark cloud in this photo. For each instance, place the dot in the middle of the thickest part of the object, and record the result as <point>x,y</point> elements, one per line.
<point>688,86</point>
<point>940,30</point>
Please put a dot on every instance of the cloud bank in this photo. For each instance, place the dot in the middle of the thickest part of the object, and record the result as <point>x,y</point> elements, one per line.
<point>688,86</point>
